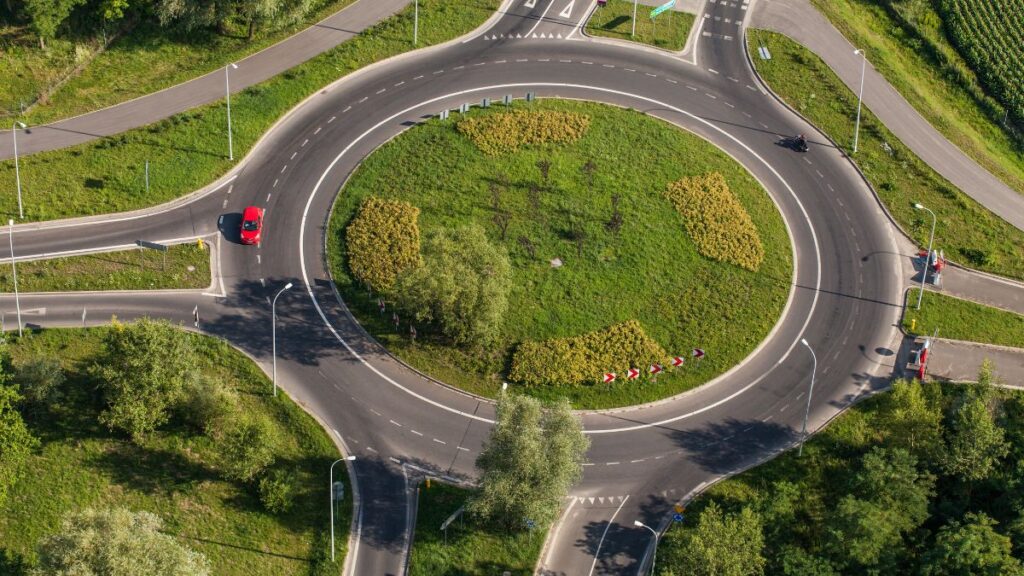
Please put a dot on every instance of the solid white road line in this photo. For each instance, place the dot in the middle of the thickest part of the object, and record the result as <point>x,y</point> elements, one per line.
<point>597,552</point>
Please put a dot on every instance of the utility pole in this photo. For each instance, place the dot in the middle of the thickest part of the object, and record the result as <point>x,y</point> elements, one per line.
<point>227,97</point>
<point>860,96</point>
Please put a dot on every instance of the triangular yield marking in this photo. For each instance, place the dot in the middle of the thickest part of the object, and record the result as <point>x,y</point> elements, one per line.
<point>591,499</point>
<point>530,3</point>
<point>535,34</point>
<point>559,35</point>
<point>519,35</point>
<point>568,10</point>
<point>600,499</point>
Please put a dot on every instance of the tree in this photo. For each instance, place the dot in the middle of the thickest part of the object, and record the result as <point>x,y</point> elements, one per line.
<point>193,14</point>
<point>863,531</point>
<point>975,444</point>
<point>46,16</point>
<point>142,372</point>
<point>528,464</point>
<point>246,447</point>
<point>257,12</point>
<point>277,491</point>
<point>721,545</point>
<point>795,561</point>
<point>16,442</point>
<point>971,548</point>
<point>913,420</point>
<point>40,382</point>
<point>462,285</point>
<point>116,543</point>
<point>545,170</point>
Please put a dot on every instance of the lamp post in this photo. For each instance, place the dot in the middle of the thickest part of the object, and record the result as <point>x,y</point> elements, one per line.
<point>14,270</point>
<point>927,257</point>
<point>273,329</point>
<point>349,458</point>
<point>17,172</point>
<point>654,557</point>
<point>633,33</point>
<point>227,96</point>
<point>810,392</point>
<point>416,23</point>
<point>860,96</point>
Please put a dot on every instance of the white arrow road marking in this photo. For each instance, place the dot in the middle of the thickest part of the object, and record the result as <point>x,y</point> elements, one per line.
<point>567,13</point>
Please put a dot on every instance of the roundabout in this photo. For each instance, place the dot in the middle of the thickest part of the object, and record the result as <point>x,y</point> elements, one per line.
<point>843,294</point>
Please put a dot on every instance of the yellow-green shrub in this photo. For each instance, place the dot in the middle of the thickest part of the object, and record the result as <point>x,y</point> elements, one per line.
<point>382,241</point>
<point>498,133</point>
<point>716,221</point>
<point>584,359</point>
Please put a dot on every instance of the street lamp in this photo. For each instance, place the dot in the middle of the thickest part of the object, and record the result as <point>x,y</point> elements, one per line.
<point>349,458</point>
<point>14,269</point>
<point>927,257</point>
<point>17,173</point>
<point>633,33</point>
<point>416,23</point>
<point>860,96</point>
<point>810,392</point>
<point>273,329</point>
<point>227,96</point>
<point>654,557</point>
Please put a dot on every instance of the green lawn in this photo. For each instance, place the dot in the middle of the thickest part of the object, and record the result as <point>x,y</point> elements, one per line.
<point>650,271</point>
<point>469,550</point>
<point>145,59</point>
<point>172,473</point>
<point>959,319</point>
<point>615,20</point>
<point>187,266</point>
<point>906,42</point>
<point>189,150</point>
<point>969,233</point>
<point>798,498</point>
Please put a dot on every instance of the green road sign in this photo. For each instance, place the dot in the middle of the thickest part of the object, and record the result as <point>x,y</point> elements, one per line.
<point>666,6</point>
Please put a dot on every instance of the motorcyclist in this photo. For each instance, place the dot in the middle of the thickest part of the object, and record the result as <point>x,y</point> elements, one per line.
<point>800,143</point>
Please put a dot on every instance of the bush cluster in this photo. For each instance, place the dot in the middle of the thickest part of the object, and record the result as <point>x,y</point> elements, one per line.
<point>502,133</point>
<point>382,241</point>
<point>584,359</point>
<point>716,221</point>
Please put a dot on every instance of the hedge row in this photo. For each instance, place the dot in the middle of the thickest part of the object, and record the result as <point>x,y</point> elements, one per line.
<point>382,241</point>
<point>716,221</point>
<point>584,359</point>
<point>502,132</point>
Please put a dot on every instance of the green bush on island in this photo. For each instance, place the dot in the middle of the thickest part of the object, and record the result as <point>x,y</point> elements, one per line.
<point>583,359</point>
<point>383,240</point>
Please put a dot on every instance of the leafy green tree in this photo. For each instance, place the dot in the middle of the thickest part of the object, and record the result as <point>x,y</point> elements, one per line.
<point>721,545</point>
<point>142,372</point>
<point>277,491</point>
<point>912,418</point>
<point>462,285</point>
<point>246,447</point>
<point>256,12</point>
<point>863,531</point>
<point>971,548</point>
<point>40,382</point>
<point>193,14</point>
<point>46,16</point>
<point>116,543</point>
<point>890,478</point>
<point>529,462</point>
<point>975,443</point>
<point>16,442</point>
<point>795,561</point>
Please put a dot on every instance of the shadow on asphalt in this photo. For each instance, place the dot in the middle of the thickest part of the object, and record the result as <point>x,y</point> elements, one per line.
<point>727,446</point>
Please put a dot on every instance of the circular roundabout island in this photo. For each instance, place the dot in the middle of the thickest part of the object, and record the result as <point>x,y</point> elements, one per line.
<point>571,249</point>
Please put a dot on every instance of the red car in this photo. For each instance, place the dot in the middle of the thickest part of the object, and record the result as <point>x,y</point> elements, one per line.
<point>252,225</point>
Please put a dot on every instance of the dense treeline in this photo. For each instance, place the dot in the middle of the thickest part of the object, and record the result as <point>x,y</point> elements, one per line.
<point>50,19</point>
<point>925,479</point>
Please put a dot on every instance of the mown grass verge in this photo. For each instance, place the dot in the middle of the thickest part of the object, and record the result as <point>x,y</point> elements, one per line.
<point>187,266</point>
<point>469,550</point>
<point>150,58</point>
<point>172,472</point>
<point>648,271</point>
<point>615,20</point>
<point>969,233</point>
<point>906,42</point>
<point>189,150</point>
<point>959,319</point>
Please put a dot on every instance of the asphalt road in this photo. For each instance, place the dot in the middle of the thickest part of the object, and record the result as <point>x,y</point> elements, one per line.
<point>845,299</point>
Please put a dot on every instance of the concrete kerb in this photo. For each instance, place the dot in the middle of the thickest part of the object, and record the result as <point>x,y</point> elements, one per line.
<point>234,171</point>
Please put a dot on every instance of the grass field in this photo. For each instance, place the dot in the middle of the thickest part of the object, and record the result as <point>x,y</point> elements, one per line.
<point>615,20</point>
<point>650,271</point>
<point>146,59</point>
<point>171,473</point>
<point>189,150</point>
<point>970,233</point>
<point>187,266</point>
<point>469,550</point>
<point>907,43</point>
<point>959,319</point>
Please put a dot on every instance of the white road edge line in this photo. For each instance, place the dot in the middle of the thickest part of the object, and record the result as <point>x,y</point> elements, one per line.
<point>597,552</point>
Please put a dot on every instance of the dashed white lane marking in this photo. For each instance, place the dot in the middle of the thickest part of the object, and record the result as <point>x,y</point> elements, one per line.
<point>438,72</point>
<point>395,460</point>
<point>830,188</point>
<point>415,432</point>
<point>259,259</point>
<point>375,412</point>
<point>332,119</point>
<point>371,449</point>
<point>225,204</point>
<point>294,154</point>
<point>382,90</point>
<point>230,188</point>
<point>275,183</point>
<point>611,463</point>
<point>800,395</point>
<point>635,461</point>
<point>749,87</point>
<point>317,131</point>
<point>363,99</point>
<point>608,65</point>
<point>659,457</point>
<point>712,96</point>
<point>463,449</point>
<point>500,61</point>
<point>783,408</point>
<point>694,88</point>
<point>395,423</point>
<point>458,68</point>
<point>440,441</point>
<point>729,105</point>
<point>712,70</point>
<point>763,125</point>
<point>651,75</point>
<point>766,418</point>
<point>479,63</point>
<point>544,60</point>
<point>304,142</point>
<point>347,108</point>
<point>268,197</point>
<point>263,282</point>
<point>808,160</point>
<point>629,69</point>
<point>585,62</point>
<point>733,79</point>
<point>283,168</point>
<point>671,80</point>
<point>820,175</point>
<point>418,77</point>
<point>522,59</point>
<point>565,61</point>
<point>588,463</point>
<point>747,114</point>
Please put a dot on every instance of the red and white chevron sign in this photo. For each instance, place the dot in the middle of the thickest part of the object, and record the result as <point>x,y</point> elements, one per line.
<point>655,368</point>
<point>698,353</point>
<point>609,377</point>
<point>678,361</point>
<point>633,374</point>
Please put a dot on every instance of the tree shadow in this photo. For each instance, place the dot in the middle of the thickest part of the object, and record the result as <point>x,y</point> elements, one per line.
<point>382,494</point>
<point>151,470</point>
<point>727,446</point>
